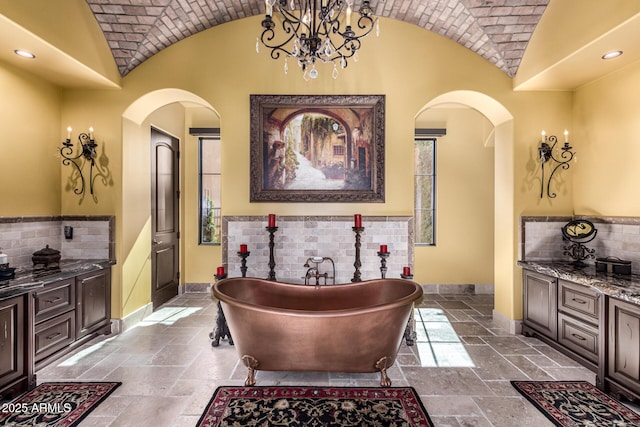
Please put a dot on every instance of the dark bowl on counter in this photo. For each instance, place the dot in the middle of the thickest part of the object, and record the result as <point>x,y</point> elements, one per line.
<point>46,256</point>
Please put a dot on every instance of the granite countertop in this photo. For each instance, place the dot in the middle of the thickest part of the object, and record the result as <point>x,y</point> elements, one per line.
<point>27,278</point>
<point>624,287</point>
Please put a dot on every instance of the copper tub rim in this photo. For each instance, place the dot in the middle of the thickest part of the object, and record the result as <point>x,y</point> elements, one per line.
<point>410,298</point>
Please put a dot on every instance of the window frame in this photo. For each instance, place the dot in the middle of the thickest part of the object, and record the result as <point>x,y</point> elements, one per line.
<point>428,135</point>
<point>214,135</point>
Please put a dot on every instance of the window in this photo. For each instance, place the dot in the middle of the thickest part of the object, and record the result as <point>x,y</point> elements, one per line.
<point>425,188</point>
<point>209,155</point>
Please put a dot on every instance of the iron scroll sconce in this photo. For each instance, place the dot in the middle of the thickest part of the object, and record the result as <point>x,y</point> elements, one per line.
<point>86,152</point>
<point>546,156</point>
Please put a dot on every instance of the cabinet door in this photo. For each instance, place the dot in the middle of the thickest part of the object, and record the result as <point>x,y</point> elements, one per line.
<point>624,343</point>
<point>540,310</point>
<point>12,340</point>
<point>93,311</point>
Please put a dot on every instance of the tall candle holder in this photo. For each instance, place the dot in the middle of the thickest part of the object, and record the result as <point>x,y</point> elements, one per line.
<point>357,264</point>
<point>272,260</point>
<point>243,262</point>
<point>221,329</point>
<point>383,263</point>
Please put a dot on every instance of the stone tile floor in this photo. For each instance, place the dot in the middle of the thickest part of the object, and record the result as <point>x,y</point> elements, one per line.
<point>169,369</point>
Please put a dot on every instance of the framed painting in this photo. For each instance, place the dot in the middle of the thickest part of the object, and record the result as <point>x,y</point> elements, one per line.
<point>317,148</point>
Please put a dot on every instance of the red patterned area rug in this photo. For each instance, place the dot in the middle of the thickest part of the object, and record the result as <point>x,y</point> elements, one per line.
<point>315,407</point>
<point>55,404</point>
<point>576,404</point>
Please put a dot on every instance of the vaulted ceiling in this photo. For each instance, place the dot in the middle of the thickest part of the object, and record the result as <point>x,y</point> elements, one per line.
<point>497,30</point>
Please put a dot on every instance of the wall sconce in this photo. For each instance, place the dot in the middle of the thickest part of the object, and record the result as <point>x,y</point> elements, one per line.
<point>546,156</point>
<point>86,153</point>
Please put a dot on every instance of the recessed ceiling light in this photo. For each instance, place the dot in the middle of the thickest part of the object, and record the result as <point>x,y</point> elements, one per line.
<point>611,55</point>
<point>24,54</point>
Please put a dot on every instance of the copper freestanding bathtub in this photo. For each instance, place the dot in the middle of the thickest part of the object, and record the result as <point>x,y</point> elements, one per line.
<point>355,327</point>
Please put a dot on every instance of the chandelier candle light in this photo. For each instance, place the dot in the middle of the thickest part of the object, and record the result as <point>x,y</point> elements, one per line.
<point>314,30</point>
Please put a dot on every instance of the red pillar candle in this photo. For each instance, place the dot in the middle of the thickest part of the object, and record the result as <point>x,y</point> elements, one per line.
<point>357,220</point>
<point>272,220</point>
<point>220,271</point>
<point>383,249</point>
<point>406,271</point>
<point>243,248</point>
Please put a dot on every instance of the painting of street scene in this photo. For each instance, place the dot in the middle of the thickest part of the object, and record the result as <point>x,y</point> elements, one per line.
<point>323,150</point>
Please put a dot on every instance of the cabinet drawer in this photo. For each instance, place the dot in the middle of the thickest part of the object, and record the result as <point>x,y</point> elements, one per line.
<point>55,299</point>
<point>578,300</point>
<point>54,334</point>
<point>578,336</point>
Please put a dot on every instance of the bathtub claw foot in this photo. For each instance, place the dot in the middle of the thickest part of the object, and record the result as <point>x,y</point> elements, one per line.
<point>251,363</point>
<point>382,365</point>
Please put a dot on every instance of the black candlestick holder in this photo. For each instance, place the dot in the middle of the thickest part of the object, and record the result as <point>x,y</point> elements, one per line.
<point>243,262</point>
<point>357,264</point>
<point>272,260</point>
<point>383,263</point>
<point>407,276</point>
<point>221,329</point>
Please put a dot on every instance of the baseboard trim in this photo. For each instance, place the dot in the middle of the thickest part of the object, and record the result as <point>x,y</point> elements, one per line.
<point>187,288</point>
<point>119,326</point>
<point>448,288</point>
<point>514,327</point>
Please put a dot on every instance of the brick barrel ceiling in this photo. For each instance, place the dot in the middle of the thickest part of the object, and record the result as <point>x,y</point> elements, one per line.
<point>497,30</point>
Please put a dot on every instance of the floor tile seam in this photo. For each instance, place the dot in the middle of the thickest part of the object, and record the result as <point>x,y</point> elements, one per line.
<point>506,360</point>
<point>461,418</point>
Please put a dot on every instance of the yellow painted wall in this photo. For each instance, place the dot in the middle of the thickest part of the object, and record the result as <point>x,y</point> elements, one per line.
<point>202,259</point>
<point>464,205</point>
<point>223,75</point>
<point>608,130</point>
<point>29,160</point>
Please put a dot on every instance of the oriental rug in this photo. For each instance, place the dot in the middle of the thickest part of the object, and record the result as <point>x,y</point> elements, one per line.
<point>315,407</point>
<point>576,403</point>
<point>55,404</point>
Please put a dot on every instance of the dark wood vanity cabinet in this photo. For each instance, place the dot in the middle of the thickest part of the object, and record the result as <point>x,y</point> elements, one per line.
<point>68,312</point>
<point>54,315</point>
<point>579,309</point>
<point>564,314</point>
<point>540,309</point>
<point>14,372</point>
<point>93,311</point>
<point>623,367</point>
<point>597,330</point>
<point>45,323</point>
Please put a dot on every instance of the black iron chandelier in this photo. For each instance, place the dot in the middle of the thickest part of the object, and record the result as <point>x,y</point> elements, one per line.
<point>315,31</point>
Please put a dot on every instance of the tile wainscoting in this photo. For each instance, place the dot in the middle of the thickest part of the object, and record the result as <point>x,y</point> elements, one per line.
<point>541,238</point>
<point>301,237</point>
<point>93,237</point>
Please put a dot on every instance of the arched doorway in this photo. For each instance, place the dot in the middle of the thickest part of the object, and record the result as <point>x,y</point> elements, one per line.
<point>165,110</point>
<point>505,225</point>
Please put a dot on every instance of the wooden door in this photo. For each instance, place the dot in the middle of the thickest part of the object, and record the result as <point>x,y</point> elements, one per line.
<point>165,218</point>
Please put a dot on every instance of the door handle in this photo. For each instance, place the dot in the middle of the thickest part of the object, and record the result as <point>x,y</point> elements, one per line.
<point>157,242</point>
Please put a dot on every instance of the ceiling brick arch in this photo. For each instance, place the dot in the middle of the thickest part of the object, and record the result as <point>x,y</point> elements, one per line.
<point>497,30</point>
